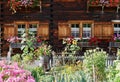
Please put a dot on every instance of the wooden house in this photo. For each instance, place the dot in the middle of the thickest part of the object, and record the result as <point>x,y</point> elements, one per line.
<point>60,19</point>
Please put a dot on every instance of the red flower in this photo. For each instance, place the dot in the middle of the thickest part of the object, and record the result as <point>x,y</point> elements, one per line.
<point>94,41</point>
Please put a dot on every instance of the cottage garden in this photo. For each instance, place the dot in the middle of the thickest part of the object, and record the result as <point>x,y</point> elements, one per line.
<point>33,64</point>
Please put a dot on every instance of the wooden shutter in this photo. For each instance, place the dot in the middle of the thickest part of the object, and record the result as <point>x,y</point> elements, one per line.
<point>98,30</point>
<point>107,31</point>
<point>63,30</point>
<point>103,30</point>
<point>9,30</point>
<point>43,31</point>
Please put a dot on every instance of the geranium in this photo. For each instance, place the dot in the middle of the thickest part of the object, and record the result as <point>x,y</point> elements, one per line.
<point>94,41</point>
<point>13,73</point>
<point>71,45</point>
<point>13,39</point>
<point>17,4</point>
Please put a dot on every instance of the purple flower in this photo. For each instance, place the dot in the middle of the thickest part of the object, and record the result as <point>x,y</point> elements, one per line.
<point>104,2</point>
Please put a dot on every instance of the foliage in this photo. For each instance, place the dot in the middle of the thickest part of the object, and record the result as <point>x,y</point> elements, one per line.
<point>28,47</point>
<point>117,38</point>
<point>44,49</point>
<point>17,58</point>
<point>36,71</point>
<point>13,73</point>
<point>114,71</point>
<point>67,69</point>
<point>71,46</point>
<point>95,61</point>
<point>17,4</point>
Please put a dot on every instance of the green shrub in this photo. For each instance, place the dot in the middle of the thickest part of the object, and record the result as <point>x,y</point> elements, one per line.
<point>94,64</point>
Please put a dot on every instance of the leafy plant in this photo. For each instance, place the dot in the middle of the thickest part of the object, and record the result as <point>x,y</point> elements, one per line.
<point>44,49</point>
<point>16,58</point>
<point>94,64</point>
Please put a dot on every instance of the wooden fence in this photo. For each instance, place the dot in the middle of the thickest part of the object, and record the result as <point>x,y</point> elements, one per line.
<point>60,60</point>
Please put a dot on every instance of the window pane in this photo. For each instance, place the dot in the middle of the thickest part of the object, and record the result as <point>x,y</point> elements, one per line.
<point>33,28</point>
<point>21,28</point>
<point>86,30</point>
<point>116,29</point>
<point>75,31</point>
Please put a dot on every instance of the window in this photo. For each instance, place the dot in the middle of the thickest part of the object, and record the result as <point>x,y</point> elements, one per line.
<point>86,31</point>
<point>116,29</point>
<point>21,28</point>
<point>33,28</point>
<point>75,30</point>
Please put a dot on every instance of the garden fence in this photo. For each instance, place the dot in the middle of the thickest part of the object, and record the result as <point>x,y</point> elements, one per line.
<point>61,60</point>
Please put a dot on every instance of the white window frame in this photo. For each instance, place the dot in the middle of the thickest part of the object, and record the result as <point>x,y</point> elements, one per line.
<point>75,30</point>
<point>33,29</point>
<point>21,30</point>
<point>87,30</point>
<point>117,29</point>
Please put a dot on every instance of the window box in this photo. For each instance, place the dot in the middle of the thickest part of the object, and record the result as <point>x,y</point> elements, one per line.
<point>19,45</point>
<point>86,44</point>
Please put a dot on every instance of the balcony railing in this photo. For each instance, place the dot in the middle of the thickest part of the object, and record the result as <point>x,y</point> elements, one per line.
<point>86,44</point>
<point>114,44</point>
<point>19,45</point>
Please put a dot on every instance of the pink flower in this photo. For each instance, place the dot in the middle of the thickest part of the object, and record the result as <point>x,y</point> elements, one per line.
<point>13,73</point>
<point>1,80</point>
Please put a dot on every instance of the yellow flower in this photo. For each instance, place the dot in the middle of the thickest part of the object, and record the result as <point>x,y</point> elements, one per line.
<point>74,42</point>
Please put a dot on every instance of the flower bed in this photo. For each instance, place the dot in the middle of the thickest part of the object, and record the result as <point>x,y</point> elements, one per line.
<point>13,73</point>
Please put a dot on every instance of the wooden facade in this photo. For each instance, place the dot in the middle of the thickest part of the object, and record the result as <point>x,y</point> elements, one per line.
<point>56,18</point>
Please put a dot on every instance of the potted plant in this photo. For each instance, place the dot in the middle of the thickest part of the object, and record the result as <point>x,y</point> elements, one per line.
<point>42,55</point>
<point>70,50</point>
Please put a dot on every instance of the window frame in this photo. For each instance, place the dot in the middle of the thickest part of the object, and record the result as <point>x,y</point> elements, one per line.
<point>75,29</point>
<point>116,29</point>
<point>26,23</point>
<point>87,29</point>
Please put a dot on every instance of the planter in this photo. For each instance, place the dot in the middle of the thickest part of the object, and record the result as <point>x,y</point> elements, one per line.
<point>19,45</point>
<point>86,44</point>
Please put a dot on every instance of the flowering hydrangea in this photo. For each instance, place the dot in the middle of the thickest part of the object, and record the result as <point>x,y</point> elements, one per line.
<point>13,73</point>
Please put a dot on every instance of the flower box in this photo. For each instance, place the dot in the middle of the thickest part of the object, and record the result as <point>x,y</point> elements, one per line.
<point>19,45</point>
<point>86,44</point>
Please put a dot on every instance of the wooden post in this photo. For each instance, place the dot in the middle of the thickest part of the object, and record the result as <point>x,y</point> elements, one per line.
<point>9,53</point>
<point>94,78</point>
<point>117,9</point>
